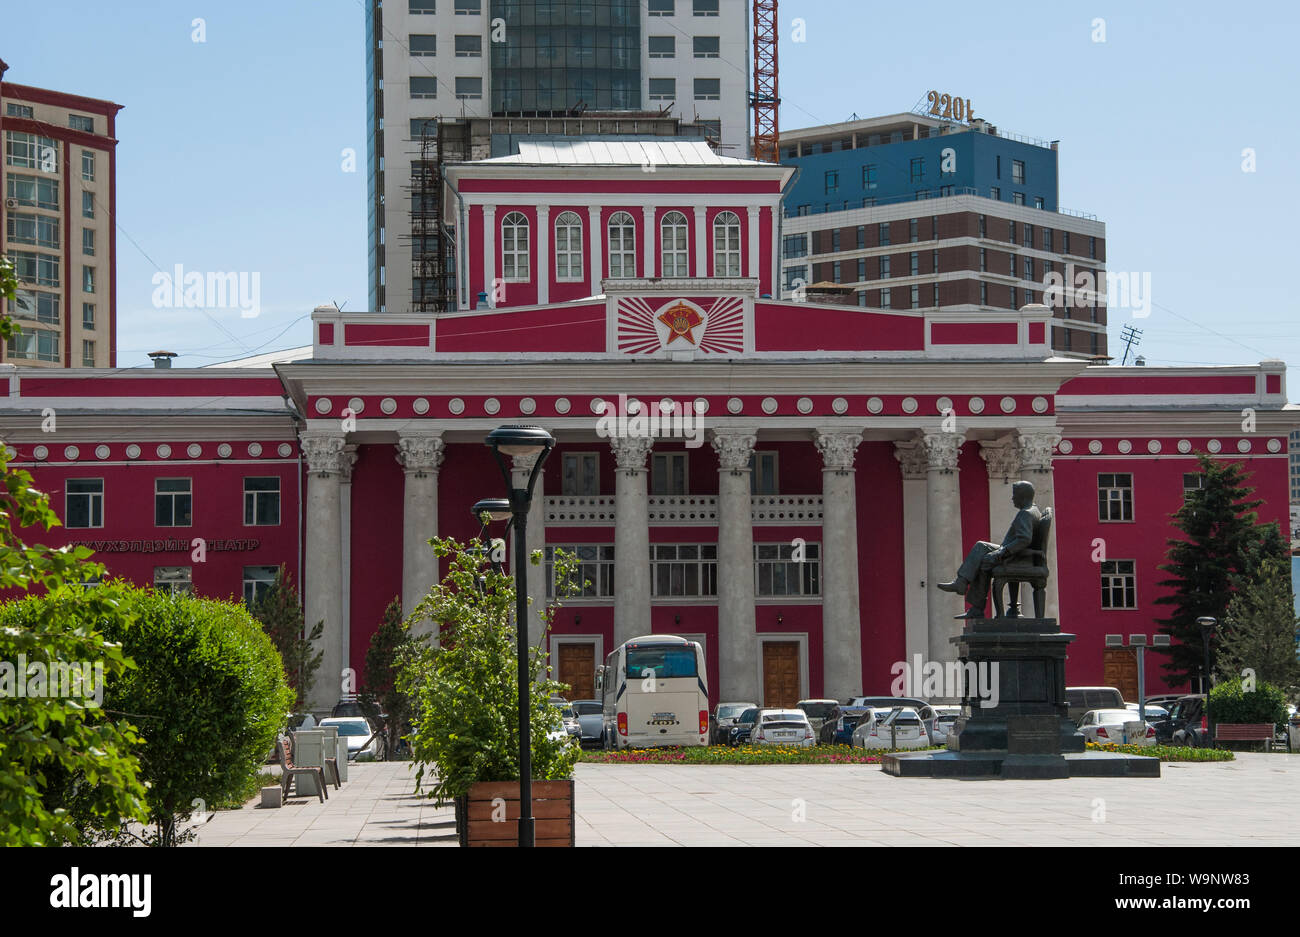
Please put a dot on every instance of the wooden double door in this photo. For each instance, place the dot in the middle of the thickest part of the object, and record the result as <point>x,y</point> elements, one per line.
<point>780,674</point>
<point>577,668</point>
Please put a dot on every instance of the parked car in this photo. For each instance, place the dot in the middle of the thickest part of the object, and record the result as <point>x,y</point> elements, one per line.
<point>901,727</point>
<point>1109,725</point>
<point>571,725</point>
<point>743,727</point>
<point>591,721</point>
<point>1187,723</point>
<point>347,706</point>
<point>889,702</point>
<point>939,721</point>
<point>868,725</point>
<point>822,714</point>
<point>1083,699</point>
<point>845,724</point>
<point>1154,713</point>
<point>724,717</point>
<point>361,738</point>
<point>783,727</point>
<point>1165,700</point>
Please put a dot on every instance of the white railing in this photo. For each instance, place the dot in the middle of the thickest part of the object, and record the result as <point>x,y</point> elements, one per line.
<point>683,510</point>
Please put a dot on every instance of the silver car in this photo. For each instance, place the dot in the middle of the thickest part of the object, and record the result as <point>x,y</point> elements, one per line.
<point>591,721</point>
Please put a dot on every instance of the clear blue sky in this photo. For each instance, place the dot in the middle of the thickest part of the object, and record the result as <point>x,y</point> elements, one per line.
<point>231,149</point>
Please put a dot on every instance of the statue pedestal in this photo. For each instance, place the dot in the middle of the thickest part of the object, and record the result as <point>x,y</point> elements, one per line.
<point>1015,722</point>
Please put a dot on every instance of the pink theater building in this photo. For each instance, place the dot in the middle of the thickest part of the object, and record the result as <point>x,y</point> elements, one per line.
<point>836,463</point>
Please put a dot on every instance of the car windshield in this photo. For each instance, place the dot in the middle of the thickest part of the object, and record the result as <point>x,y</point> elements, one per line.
<point>785,716</point>
<point>566,711</point>
<point>727,712</point>
<point>818,710</point>
<point>749,715</point>
<point>351,728</point>
<point>1115,715</point>
<point>587,709</point>
<point>665,661</point>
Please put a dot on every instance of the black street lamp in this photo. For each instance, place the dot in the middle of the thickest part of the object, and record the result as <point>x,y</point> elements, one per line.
<point>1207,626</point>
<point>496,509</point>
<point>522,441</point>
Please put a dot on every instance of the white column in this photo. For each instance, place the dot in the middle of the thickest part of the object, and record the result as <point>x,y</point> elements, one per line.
<point>841,616</point>
<point>751,217</point>
<point>631,538</point>
<point>323,544</point>
<point>1036,468</point>
<point>648,215</point>
<point>1002,456</point>
<point>594,234</point>
<point>737,632</point>
<point>544,262</point>
<point>489,252</point>
<point>701,243</point>
<point>521,469</point>
<point>420,456</point>
<point>914,463</point>
<point>943,547</point>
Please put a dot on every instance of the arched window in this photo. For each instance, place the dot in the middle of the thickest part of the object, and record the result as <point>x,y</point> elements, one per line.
<point>674,253</point>
<point>726,244</point>
<point>514,247</point>
<point>568,246</point>
<point>622,245</point>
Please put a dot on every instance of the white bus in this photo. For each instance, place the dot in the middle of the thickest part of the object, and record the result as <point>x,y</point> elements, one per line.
<point>654,693</point>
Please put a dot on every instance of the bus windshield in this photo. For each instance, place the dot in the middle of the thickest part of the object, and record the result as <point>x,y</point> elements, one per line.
<point>665,661</point>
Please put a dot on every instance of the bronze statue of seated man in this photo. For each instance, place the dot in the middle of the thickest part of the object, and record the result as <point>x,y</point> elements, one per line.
<point>975,572</point>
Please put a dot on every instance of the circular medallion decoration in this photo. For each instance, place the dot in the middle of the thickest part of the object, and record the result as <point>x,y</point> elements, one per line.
<point>633,406</point>
<point>875,404</point>
<point>840,405</point>
<point>1125,446</point>
<point>1065,447</point>
<point>909,405</point>
<point>164,451</point>
<point>324,405</point>
<point>70,453</point>
<point>942,404</point>
<point>1243,445</point>
<point>1095,446</point>
<point>769,404</point>
<point>1184,445</point>
<point>255,449</point>
<point>456,405</point>
<point>562,405</point>
<point>285,450</point>
<point>133,451</point>
<point>701,405</point>
<point>357,404</point>
<point>491,406</point>
<point>11,453</point>
<point>1214,445</point>
<point>41,453</point>
<point>804,404</point>
<point>101,452</point>
<point>1153,446</point>
<point>597,405</point>
<point>1008,404</point>
<point>1275,445</point>
<point>976,405</point>
<point>420,405</point>
<point>388,405</point>
<point>223,450</point>
<point>735,404</point>
<point>527,406</point>
<point>1039,404</point>
<point>666,405</point>
<point>194,450</point>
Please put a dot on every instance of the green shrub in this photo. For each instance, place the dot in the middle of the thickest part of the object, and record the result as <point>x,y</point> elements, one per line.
<point>1229,703</point>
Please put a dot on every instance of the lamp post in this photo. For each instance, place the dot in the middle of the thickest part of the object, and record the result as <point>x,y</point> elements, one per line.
<point>496,509</point>
<point>1207,627</point>
<point>1139,643</point>
<point>522,441</point>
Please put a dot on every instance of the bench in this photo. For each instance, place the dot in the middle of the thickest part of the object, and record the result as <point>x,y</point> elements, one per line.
<point>289,771</point>
<point>1244,732</point>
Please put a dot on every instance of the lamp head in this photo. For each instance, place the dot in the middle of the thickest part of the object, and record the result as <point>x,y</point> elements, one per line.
<point>497,509</point>
<point>520,440</point>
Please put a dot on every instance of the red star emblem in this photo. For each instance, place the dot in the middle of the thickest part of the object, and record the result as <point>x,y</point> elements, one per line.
<point>681,319</point>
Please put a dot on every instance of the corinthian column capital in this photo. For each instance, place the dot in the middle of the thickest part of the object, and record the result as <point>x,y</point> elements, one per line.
<point>941,450</point>
<point>838,450</point>
<point>324,454</point>
<point>1036,450</point>
<point>420,455</point>
<point>912,458</point>
<point>734,451</point>
<point>630,452</point>
<point>1002,457</point>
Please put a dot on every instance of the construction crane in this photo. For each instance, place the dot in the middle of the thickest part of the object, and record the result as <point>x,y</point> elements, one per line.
<point>764,99</point>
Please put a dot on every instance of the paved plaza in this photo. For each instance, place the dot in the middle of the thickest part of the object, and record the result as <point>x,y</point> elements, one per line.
<point>822,805</point>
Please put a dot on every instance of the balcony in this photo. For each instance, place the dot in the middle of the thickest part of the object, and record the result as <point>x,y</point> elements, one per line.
<point>683,510</point>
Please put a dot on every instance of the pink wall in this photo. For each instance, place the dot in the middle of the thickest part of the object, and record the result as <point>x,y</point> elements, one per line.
<point>377,486</point>
<point>880,563</point>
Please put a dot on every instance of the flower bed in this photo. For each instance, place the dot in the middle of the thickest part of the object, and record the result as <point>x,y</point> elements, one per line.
<point>1166,752</point>
<point>741,755</point>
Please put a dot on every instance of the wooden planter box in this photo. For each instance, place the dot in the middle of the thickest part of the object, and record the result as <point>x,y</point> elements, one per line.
<point>552,814</point>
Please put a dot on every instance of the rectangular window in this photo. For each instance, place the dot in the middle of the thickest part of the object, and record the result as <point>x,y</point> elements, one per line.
<point>88,165</point>
<point>33,191</point>
<point>594,576</point>
<point>84,502</point>
<point>88,315</point>
<point>469,47</point>
<point>683,569</point>
<point>883,267</point>
<point>668,473</point>
<point>912,233</point>
<point>995,193</point>
<point>1015,302</point>
<point>469,89</point>
<point>1047,239</point>
<point>708,89</point>
<point>663,47</point>
<point>762,473</point>
<point>1017,198</point>
<point>1011,232</point>
<point>934,261</point>
<point>796,277</point>
<point>1092,248</point>
<point>422,6</point>
<point>862,236</point>
<point>175,580</point>
<point>18,110</point>
<point>46,309</point>
<point>835,240</point>
<point>984,260</point>
<point>983,227</point>
<point>258,580</point>
<point>1065,242</point>
<point>38,269</point>
<point>1115,497</point>
<point>914,263</point>
<point>469,7</point>
<point>661,8</point>
<point>778,571</point>
<point>832,182</point>
<point>35,345</point>
<point>885,300</point>
<point>261,502</point>
<point>916,296</point>
<point>984,294</point>
<point>936,296</point>
<point>1195,481</point>
<point>422,45</point>
<point>835,272</point>
<point>172,502</point>
<point>87,205</point>
<point>580,473</point>
<point>88,241</point>
<point>87,279</point>
<point>422,87</point>
<point>794,245</point>
<point>1017,172</point>
<point>707,47</point>
<point>869,176</point>
<point>1118,584</point>
<point>29,151</point>
<point>663,89</point>
<point>87,353</point>
<point>862,269</point>
<point>704,7</point>
<point>882,233</point>
<point>1038,202</point>
<point>82,123</point>
<point>917,166</point>
<point>1029,268</point>
<point>1011,264</point>
<point>37,230</point>
<point>862,297</point>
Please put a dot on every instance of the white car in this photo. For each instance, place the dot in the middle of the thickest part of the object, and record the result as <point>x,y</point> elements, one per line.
<point>939,721</point>
<point>866,732</point>
<point>360,737</point>
<point>1109,726</point>
<point>1152,710</point>
<point>783,727</point>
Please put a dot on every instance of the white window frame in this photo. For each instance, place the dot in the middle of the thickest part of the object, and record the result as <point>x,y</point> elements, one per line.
<point>568,245</point>
<point>621,250</point>
<point>1115,499</point>
<point>174,580</point>
<point>257,495</point>
<point>674,260</point>
<point>598,570</point>
<point>247,581</point>
<point>565,487</point>
<point>1114,578</point>
<point>667,459</point>
<point>800,571</point>
<point>764,455</point>
<point>513,257</point>
<point>95,502</point>
<point>172,496</point>
<point>725,258</point>
<point>706,568</point>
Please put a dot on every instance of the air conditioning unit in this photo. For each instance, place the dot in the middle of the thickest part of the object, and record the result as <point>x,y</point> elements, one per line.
<point>11,203</point>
